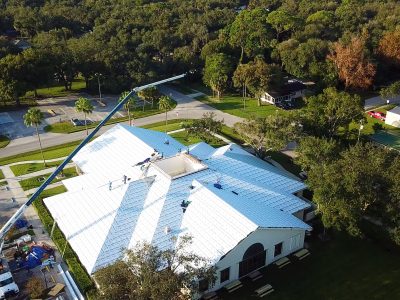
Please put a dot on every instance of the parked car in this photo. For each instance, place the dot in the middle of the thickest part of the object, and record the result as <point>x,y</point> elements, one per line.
<point>77,122</point>
<point>377,115</point>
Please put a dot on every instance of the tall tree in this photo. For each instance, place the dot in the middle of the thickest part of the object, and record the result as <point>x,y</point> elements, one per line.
<point>271,133</point>
<point>33,118</point>
<point>264,77</point>
<point>128,105</point>
<point>242,77</point>
<point>283,21</point>
<point>250,32</point>
<point>389,47</point>
<point>330,111</point>
<point>150,94</point>
<point>84,105</point>
<point>352,64</point>
<point>150,273</point>
<point>352,186</point>
<point>216,72</point>
<point>205,127</point>
<point>390,91</point>
<point>165,104</point>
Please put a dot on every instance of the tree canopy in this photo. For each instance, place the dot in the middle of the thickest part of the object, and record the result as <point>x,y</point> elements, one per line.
<point>146,272</point>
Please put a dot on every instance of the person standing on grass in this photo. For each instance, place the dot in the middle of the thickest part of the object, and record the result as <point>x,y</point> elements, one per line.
<point>33,118</point>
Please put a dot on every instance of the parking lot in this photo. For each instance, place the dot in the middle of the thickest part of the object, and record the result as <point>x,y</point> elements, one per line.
<point>55,110</point>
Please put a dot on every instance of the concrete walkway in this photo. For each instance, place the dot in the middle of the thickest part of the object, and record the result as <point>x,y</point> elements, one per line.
<point>187,108</point>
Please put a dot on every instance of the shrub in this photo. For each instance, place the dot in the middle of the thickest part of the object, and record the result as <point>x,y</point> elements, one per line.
<point>35,287</point>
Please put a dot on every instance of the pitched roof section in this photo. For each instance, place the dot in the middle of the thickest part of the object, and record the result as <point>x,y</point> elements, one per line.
<point>122,146</point>
<point>100,219</point>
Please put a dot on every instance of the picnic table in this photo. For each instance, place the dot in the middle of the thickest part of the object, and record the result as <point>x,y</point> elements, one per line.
<point>264,290</point>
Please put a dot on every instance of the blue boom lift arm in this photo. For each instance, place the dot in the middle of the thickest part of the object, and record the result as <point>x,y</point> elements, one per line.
<point>21,210</point>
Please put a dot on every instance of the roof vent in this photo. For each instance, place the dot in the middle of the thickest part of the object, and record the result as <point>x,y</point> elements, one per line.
<point>218,186</point>
<point>166,142</point>
<point>167,229</point>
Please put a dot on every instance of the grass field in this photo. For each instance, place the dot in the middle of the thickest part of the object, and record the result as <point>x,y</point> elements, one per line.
<point>343,268</point>
<point>190,140</point>
<point>49,153</point>
<point>1,174</point>
<point>4,141</point>
<point>32,167</point>
<point>58,90</point>
<point>34,182</point>
<point>233,104</point>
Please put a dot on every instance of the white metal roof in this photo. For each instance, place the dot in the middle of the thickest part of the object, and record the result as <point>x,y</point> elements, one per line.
<point>395,110</point>
<point>101,216</point>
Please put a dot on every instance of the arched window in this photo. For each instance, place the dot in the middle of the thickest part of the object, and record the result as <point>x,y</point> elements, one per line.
<point>253,259</point>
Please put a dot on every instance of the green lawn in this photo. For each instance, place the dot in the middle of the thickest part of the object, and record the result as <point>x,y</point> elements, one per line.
<point>32,167</point>
<point>68,127</point>
<point>4,141</point>
<point>34,182</point>
<point>3,183</point>
<point>233,104</point>
<point>172,125</point>
<point>343,268</point>
<point>58,90</point>
<point>49,153</point>
<point>187,141</point>
<point>1,175</point>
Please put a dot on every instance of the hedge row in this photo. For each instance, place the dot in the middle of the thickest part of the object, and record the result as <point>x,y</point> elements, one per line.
<point>76,269</point>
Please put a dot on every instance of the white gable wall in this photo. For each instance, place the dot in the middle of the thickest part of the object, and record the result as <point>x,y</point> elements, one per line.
<point>393,119</point>
<point>293,239</point>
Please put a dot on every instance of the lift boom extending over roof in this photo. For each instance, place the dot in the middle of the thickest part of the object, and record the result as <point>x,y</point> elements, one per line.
<point>21,210</point>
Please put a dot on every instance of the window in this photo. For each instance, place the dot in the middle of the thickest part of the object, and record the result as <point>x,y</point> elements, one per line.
<point>224,275</point>
<point>203,285</point>
<point>278,249</point>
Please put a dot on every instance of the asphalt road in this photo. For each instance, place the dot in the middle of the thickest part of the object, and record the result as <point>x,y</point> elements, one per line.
<point>187,108</point>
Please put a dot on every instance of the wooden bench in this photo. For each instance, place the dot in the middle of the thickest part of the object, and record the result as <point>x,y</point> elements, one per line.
<point>233,286</point>
<point>255,275</point>
<point>51,112</point>
<point>210,296</point>
<point>301,254</point>
<point>284,261</point>
<point>56,289</point>
<point>264,290</point>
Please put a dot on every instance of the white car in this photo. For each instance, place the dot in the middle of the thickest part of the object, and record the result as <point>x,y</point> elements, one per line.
<point>7,285</point>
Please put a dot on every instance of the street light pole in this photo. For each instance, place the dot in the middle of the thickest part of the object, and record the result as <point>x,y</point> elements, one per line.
<point>98,82</point>
<point>359,131</point>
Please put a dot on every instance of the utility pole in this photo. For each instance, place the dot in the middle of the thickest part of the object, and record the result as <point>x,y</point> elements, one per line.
<point>359,131</point>
<point>98,82</point>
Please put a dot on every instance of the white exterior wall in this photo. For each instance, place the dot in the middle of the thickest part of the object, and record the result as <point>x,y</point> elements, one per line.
<point>269,238</point>
<point>392,119</point>
<point>267,98</point>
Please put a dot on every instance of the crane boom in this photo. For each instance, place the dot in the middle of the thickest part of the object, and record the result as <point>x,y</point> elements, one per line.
<point>34,196</point>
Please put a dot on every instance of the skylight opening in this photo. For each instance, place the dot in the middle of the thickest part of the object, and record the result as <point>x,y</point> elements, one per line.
<point>180,165</point>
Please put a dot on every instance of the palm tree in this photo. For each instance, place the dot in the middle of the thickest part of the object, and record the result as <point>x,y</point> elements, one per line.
<point>165,103</point>
<point>34,117</point>
<point>129,104</point>
<point>84,105</point>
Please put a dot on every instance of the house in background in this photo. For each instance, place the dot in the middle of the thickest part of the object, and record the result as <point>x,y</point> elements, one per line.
<point>393,117</point>
<point>21,44</point>
<point>142,185</point>
<point>289,91</point>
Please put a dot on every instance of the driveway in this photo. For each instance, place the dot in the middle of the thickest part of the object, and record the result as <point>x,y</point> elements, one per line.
<point>378,101</point>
